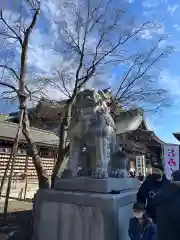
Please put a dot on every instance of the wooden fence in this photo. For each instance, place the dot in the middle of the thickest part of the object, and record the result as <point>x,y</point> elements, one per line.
<point>24,180</point>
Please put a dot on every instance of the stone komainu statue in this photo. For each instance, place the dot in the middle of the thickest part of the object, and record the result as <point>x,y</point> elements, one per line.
<point>91,128</point>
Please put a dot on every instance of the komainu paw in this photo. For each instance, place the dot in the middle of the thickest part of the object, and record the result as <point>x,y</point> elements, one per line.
<point>118,173</point>
<point>99,173</point>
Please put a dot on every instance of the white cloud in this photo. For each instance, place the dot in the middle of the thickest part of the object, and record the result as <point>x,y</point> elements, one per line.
<point>149,33</point>
<point>172,8</point>
<point>41,54</point>
<point>42,58</point>
<point>150,121</point>
<point>176,27</point>
<point>146,34</point>
<point>149,4</point>
<point>170,83</point>
<point>130,1</point>
<point>163,44</point>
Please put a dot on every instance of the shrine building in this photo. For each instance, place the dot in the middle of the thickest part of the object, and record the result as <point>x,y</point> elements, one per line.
<point>24,180</point>
<point>133,135</point>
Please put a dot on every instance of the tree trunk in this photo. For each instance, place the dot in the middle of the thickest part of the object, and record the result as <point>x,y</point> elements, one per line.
<point>25,175</point>
<point>12,161</point>
<point>62,149</point>
<point>60,153</point>
<point>41,173</point>
<point>57,166</point>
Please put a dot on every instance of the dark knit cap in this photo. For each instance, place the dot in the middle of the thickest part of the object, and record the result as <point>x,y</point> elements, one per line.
<point>138,206</point>
<point>158,166</point>
<point>176,175</point>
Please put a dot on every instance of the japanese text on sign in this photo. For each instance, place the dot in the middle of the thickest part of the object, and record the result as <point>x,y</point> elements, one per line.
<point>171,159</point>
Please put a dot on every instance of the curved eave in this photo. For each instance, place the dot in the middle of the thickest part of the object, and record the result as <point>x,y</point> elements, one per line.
<point>128,123</point>
<point>148,136</point>
<point>157,139</point>
<point>177,136</point>
<point>132,121</point>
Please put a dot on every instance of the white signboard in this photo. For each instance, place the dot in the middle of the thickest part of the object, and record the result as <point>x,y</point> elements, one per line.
<point>140,165</point>
<point>171,159</point>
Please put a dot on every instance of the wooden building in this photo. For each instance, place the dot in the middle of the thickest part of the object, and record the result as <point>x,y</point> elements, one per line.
<point>24,174</point>
<point>133,135</point>
<point>45,115</point>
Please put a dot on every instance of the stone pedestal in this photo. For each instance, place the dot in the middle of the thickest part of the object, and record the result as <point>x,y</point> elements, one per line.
<point>85,209</point>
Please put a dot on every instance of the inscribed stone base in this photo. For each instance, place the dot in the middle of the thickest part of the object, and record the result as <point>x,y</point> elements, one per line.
<point>76,215</point>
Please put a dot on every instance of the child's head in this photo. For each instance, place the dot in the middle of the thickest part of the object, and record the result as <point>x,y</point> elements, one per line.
<point>138,210</point>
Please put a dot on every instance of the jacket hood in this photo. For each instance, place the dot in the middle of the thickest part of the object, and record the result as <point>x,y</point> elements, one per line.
<point>167,193</point>
<point>150,178</point>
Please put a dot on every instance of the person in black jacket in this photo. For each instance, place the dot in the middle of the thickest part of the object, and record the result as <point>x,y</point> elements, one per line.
<point>150,187</point>
<point>168,210</point>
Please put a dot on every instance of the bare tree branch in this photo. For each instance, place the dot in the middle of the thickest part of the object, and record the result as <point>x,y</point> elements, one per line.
<point>9,86</point>
<point>95,38</point>
<point>25,49</point>
<point>23,91</point>
<point>11,70</point>
<point>10,28</point>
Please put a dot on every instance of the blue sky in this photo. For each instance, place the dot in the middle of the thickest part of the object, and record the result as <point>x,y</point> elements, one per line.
<point>166,12</point>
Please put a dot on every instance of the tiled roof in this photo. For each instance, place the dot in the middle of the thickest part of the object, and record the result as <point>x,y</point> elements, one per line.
<point>8,131</point>
<point>131,121</point>
<point>45,109</point>
<point>49,110</point>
